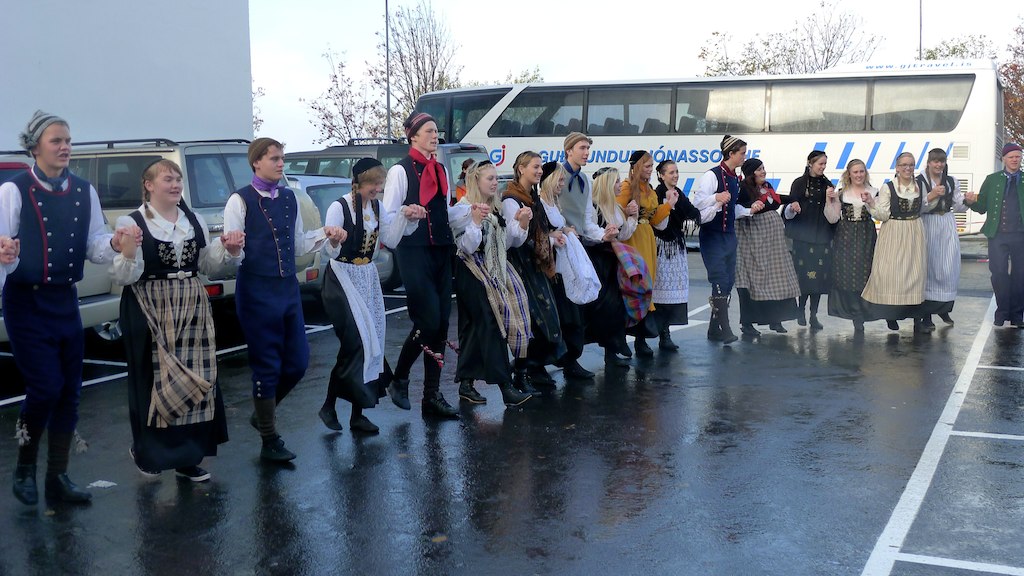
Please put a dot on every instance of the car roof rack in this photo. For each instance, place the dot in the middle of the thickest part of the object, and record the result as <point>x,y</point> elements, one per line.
<point>382,140</point>
<point>20,152</point>
<point>110,144</point>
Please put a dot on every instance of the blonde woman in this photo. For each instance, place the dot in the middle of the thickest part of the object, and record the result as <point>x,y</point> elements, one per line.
<point>852,210</point>
<point>896,284</point>
<point>607,317</point>
<point>494,307</point>
<point>534,261</point>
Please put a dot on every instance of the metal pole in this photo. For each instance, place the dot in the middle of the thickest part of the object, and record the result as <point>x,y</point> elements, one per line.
<point>920,29</point>
<point>387,62</point>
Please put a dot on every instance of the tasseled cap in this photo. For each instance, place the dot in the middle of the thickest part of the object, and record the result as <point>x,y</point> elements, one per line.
<point>35,127</point>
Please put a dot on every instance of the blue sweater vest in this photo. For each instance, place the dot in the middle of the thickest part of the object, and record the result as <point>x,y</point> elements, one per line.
<point>54,231</point>
<point>269,233</point>
<point>725,220</point>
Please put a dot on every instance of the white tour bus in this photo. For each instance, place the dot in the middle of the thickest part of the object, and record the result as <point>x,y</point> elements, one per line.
<point>869,111</point>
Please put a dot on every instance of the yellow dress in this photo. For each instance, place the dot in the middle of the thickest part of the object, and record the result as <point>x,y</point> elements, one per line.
<point>651,213</point>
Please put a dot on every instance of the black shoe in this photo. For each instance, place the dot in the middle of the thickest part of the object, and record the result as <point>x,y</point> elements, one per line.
<point>143,471</point>
<point>329,417</point>
<point>623,349</point>
<point>435,405</point>
<point>468,393</point>
<point>572,369</point>
<point>192,473</point>
<point>60,488</point>
<point>25,484</point>
<point>363,425</point>
<point>613,358</point>
<point>398,390</point>
<point>802,318</point>
<point>511,396</point>
<point>778,327</point>
<point>1017,323</point>
<point>892,324</point>
<point>641,347</point>
<point>946,319</point>
<point>815,325</point>
<point>522,382</point>
<point>540,377</point>
<point>665,342</point>
<point>749,330</point>
<point>928,323</point>
<point>858,326</point>
<point>274,451</point>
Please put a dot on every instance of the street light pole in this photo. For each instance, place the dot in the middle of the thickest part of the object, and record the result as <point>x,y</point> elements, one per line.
<point>387,62</point>
<point>920,29</point>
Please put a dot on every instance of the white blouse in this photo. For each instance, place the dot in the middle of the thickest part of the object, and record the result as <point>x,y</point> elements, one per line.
<point>214,259</point>
<point>469,234</point>
<point>626,224</point>
<point>833,210</point>
<point>882,210</point>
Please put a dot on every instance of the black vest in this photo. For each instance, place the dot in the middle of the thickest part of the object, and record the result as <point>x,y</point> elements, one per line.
<point>434,229</point>
<point>159,256</point>
<point>901,208</point>
<point>359,244</point>
<point>945,203</point>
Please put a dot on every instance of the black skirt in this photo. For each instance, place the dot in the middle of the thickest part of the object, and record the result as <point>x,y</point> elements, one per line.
<point>766,311</point>
<point>174,446</point>
<point>546,345</point>
<point>346,380</point>
<point>483,352</point>
<point>605,317</point>
<point>813,263</point>
<point>853,249</point>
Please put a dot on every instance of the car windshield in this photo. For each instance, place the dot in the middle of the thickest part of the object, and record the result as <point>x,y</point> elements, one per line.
<point>324,194</point>
<point>212,178</point>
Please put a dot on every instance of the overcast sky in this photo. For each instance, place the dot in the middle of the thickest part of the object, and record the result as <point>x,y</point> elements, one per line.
<point>568,41</point>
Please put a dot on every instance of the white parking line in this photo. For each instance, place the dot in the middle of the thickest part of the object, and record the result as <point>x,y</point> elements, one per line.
<point>964,564</point>
<point>988,435</point>
<point>887,549</point>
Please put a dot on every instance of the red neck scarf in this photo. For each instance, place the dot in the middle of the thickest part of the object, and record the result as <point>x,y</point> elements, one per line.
<point>766,191</point>
<point>432,179</point>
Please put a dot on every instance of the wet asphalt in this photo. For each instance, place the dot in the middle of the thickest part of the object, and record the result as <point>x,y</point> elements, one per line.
<point>802,453</point>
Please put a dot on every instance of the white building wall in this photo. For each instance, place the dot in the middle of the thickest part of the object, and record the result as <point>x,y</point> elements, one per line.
<point>120,69</point>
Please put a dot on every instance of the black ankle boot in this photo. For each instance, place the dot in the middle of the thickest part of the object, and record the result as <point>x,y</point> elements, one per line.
<point>273,450</point>
<point>435,405</point>
<point>60,488</point>
<point>665,341</point>
<point>511,396</point>
<point>749,330</point>
<point>815,325</point>
<point>468,393</point>
<point>25,484</point>
<point>522,382</point>
<point>398,390</point>
<point>641,347</point>
<point>721,306</point>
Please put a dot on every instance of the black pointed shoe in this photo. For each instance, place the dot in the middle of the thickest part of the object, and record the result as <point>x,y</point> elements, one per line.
<point>25,484</point>
<point>946,319</point>
<point>778,327</point>
<point>749,330</point>
<point>815,325</point>
<point>398,390</point>
<point>572,369</point>
<point>329,417</point>
<point>470,394</point>
<point>363,425</point>
<point>274,451</point>
<point>540,378</point>
<point>614,358</point>
<point>60,488</point>
<point>436,406</point>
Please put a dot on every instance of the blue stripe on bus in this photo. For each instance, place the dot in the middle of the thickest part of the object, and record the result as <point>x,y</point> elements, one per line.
<point>820,146</point>
<point>774,182</point>
<point>845,156</point>
<point>924,154</point>
<point>874,152</point>
<point>688,185</point>
<point>897,155</point>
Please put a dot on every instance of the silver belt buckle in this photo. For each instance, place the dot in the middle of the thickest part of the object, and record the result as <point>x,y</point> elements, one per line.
<point>181,275</point>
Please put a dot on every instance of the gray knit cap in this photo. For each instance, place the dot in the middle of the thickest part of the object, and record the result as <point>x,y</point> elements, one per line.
<point>35,127</point>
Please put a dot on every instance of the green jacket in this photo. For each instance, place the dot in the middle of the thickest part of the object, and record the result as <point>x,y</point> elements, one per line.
<point>990,201</point>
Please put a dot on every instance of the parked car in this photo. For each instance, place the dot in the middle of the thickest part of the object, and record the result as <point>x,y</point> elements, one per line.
<point>323,191</point>
<point>12,163</point>
<point>338,160</point>
<point>212,170</point>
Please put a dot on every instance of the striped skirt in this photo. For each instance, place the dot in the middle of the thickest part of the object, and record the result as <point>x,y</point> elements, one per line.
<point>898,267</point>
<point>943,257</point>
